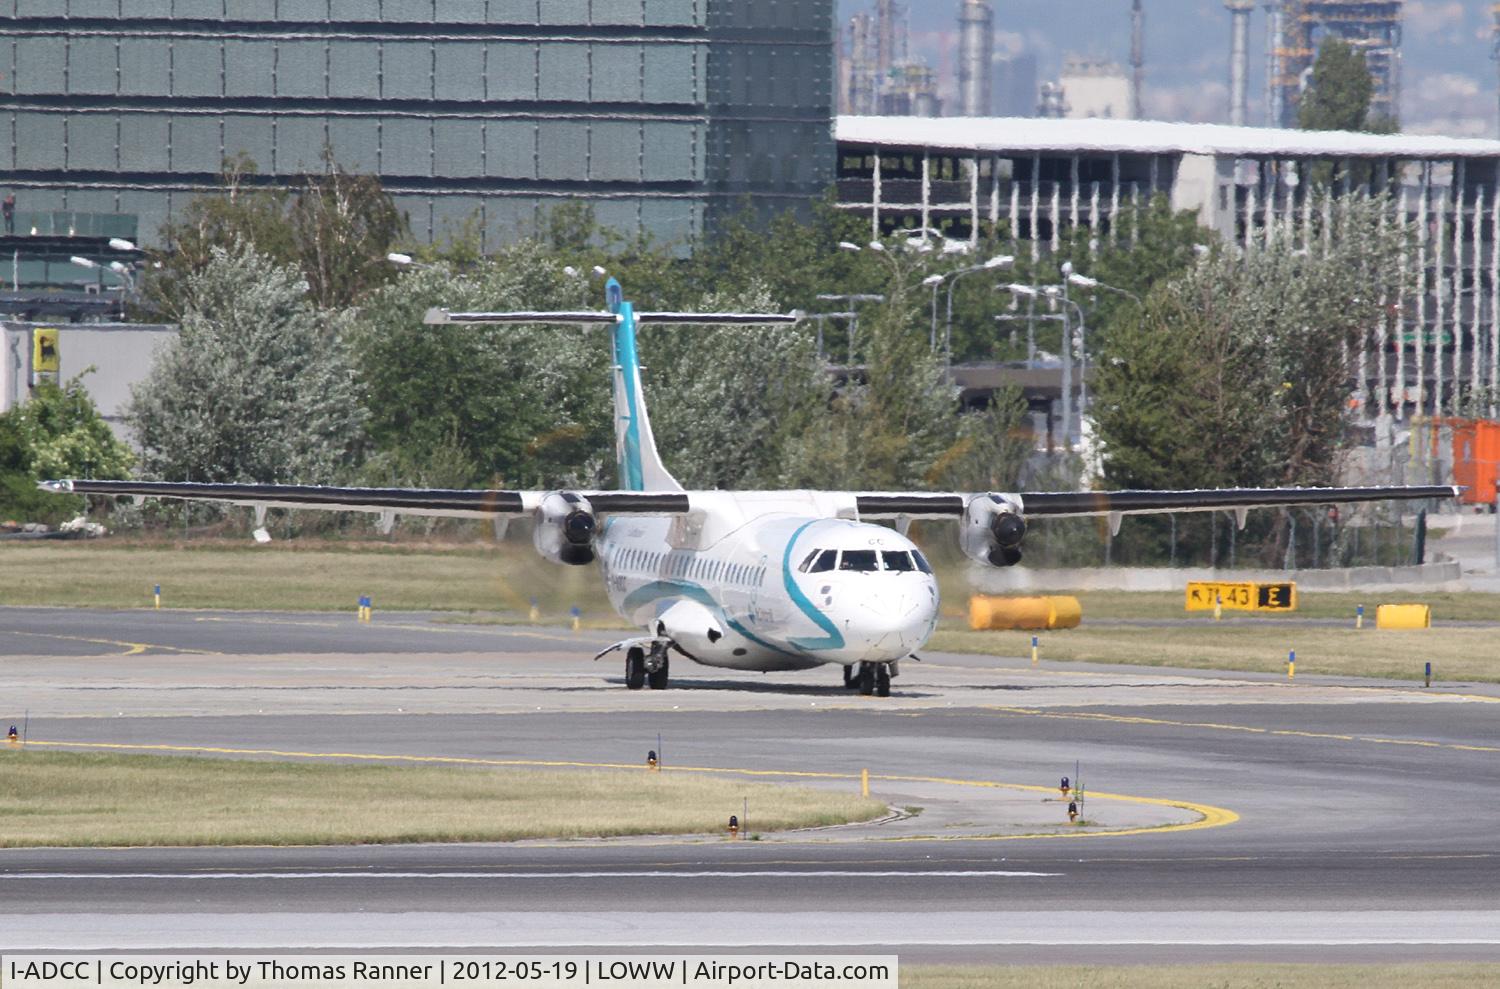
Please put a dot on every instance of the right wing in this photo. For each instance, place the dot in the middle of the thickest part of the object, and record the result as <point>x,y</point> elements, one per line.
<point>438,502</point>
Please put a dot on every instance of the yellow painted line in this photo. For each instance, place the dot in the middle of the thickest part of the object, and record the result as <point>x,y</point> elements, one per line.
<point>453,629</point>
<point>131,648</point>
<point>1226,678</point>
<point>1246,729</point>
<point>1208,816</point>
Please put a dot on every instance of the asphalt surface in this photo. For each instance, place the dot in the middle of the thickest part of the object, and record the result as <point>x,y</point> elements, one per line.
<point>1360,820</point>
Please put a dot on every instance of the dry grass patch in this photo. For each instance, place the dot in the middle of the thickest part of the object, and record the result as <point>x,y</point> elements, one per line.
<point>292,576</point>
<point>1105,605</point>
<point>1230,976</point>
<point>1455,653</point>
<point>51,798</point>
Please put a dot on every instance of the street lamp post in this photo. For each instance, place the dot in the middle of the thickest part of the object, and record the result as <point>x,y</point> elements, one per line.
<point>933,281</point>
<point>1028,292</point>
<point>1000,261</point>
<point>853,314</point>
<point>1084,281</point>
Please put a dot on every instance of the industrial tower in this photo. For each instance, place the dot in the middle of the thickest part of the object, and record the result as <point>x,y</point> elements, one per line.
<point>1239,60</point>
<point>1495,52</point>
<point>1137,58</point>
<point>879,75</point>
<point>976,55</point>
<point>1299,27</point>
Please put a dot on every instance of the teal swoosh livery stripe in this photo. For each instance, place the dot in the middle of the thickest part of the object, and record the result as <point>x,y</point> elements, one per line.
<point>834,639</point>
<point>626,360</point>
<point>659,589</point>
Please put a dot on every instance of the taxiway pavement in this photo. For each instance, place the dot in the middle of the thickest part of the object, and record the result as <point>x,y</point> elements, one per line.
<point>1361,812</point>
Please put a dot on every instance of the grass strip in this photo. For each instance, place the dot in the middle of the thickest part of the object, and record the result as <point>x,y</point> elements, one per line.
<point>85,799</point>
<point>297,576</point>
<point>1446,605</point>
<point>1438,975</point>
<point>1456,654</point>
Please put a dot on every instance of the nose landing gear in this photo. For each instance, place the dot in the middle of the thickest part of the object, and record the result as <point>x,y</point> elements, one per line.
<point>646,669</point>
<point>869,678</point>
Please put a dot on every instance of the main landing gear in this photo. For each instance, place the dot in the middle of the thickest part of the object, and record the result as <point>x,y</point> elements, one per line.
<point>644,668</point>
<point>869,678</point>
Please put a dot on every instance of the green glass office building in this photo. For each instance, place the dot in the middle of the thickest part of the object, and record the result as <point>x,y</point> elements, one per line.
<point>664,115</point>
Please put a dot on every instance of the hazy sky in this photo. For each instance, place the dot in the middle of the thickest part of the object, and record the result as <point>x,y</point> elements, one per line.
<point>1449,83</point>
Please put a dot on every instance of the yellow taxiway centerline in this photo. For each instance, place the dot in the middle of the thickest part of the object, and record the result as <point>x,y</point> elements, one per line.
<point>1246,729</point>
<point>1208,816</point>
<point>131,648</point>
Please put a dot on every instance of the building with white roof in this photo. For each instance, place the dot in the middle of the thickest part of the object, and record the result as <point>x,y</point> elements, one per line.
<point>1032,180</point>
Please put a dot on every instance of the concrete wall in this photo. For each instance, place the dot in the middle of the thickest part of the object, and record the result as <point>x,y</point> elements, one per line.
<point>121,355</point>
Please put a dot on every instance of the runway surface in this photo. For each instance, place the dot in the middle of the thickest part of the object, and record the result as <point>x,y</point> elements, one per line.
<point>1359,813</point>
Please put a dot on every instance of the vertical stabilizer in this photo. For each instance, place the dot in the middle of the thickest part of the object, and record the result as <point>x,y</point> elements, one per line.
<point>640,465</point>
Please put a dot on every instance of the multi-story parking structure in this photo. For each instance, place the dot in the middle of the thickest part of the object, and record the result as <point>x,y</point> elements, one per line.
<point>1031,180</point>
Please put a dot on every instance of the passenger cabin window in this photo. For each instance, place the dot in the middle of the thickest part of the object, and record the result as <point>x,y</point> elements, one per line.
<point>859,560</point>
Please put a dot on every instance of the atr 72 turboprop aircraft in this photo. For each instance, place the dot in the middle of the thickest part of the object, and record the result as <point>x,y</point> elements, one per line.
<point>744,580</point>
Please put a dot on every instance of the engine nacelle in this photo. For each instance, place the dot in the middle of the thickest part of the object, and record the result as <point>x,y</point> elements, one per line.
<point>992,530</point>
<point>565,527</point>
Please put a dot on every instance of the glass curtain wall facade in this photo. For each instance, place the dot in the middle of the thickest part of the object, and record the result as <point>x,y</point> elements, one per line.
<point>663,115</point>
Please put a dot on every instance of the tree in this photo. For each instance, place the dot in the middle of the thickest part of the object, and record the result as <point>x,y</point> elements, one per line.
<point>57,433</point>
<point>1338,96</point>
<point>1237,373</point>
<point>512,405</point>
<point>336,228</point>
<point>258,385</point>
<point>725,400</point>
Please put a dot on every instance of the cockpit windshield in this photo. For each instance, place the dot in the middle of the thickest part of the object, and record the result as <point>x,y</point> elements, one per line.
<point>896,560</point>
<point>865,561</point>
<point>820,561</point>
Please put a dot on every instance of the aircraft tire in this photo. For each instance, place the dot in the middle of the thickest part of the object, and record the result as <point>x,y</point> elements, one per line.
<point>882,680</point>
<point>866,679</point>
<point>658,680</point>
<point>850,679</point>
<point>635,669</point>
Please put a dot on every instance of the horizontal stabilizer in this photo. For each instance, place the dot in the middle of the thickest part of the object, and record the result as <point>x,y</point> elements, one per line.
<point>442,317</point>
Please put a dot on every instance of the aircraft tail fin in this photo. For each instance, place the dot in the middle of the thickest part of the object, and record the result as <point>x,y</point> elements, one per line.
<point>641,467</point>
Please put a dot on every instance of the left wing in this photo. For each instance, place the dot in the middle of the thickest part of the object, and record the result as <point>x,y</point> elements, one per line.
<point>1075,503</point>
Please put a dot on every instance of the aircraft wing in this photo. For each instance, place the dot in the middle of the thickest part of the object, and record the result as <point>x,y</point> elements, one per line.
<point>403,501</point>
<point>1037,504</point>
<point>454,503</point>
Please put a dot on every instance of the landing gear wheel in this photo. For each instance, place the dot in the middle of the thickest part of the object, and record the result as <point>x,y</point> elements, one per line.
<point>635,669</point>
<point>657,679</point>
<point>882,680</point>
<point>849,678</point>
<point>866,679</point>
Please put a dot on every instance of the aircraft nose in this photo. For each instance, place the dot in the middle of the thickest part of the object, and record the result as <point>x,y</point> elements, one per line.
<point>897,621</point>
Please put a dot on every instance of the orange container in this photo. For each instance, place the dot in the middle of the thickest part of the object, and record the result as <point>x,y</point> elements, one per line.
<point>1476,459</point>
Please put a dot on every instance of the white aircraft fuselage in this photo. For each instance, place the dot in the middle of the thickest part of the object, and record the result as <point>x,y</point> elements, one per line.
<point>767,589</point>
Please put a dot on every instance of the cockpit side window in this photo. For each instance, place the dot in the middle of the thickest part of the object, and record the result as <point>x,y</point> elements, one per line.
<point>860,560</point>
<point>896,560</point>
<point>921,561</point>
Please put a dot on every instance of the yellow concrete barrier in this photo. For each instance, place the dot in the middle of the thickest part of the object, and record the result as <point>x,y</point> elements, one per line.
<point>1403,616</point>
<point>988,613</point>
